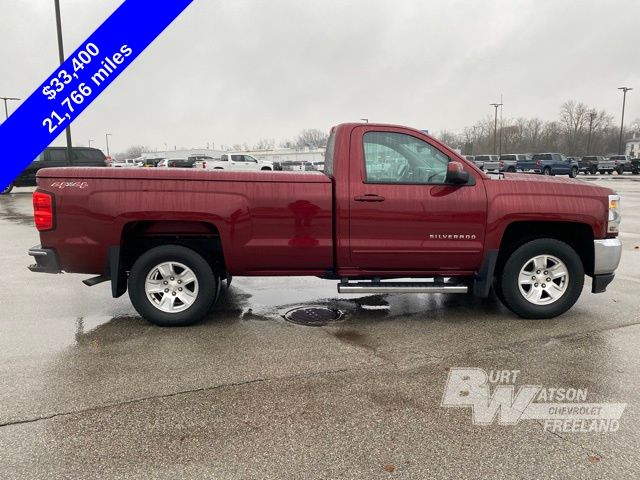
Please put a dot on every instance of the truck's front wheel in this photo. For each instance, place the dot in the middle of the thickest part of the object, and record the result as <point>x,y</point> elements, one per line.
<point>542,279</point>
<point>172,286</point>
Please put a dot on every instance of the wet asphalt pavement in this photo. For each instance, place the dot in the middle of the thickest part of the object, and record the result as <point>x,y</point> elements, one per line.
<point>90,390</point>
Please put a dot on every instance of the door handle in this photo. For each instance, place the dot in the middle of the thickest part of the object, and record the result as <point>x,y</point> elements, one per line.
<point>369,197</point>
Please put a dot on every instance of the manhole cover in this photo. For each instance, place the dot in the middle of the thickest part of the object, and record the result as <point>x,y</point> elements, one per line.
<point>312,316</point>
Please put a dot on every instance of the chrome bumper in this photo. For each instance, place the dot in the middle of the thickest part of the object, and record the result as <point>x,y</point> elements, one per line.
<point>606,255</point>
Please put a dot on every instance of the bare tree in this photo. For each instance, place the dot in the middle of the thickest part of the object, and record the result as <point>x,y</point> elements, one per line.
<point>133,151</point>
<point>312,138</point>
<point>265,144</point>
<point>574,117</point>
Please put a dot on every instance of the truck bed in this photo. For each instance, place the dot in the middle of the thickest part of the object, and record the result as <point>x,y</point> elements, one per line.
<point>272,223</point>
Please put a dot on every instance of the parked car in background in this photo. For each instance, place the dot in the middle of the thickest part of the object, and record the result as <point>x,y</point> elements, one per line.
<point>481,160</point>
<point>505,163</point>
<point>623,164</point>
<point>635,166</point>
<point>127,163</point>
<point>595,164</point>
<point>236,162</point>
<point>181,163</point>
<point>549,164</point>
<point>57,157</point>
<point>151,162</point>
<point>298,166</point>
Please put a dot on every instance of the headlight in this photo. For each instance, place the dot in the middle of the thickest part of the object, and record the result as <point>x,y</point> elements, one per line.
<point>614,214</point>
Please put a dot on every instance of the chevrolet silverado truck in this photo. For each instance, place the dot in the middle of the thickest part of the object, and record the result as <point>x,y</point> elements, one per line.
<point>395,211</point>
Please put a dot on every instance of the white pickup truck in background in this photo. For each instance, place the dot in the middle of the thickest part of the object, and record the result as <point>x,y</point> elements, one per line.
<point>233,161</point>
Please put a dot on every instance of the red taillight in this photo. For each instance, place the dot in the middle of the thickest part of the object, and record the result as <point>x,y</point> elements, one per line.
<point>501,163</point>
<point>538,163</point>
<point>43,210</point>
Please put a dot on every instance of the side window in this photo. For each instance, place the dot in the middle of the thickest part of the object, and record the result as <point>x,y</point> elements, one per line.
<point>224,158</point>
<point>58,155</point>
<point>399,158</point>
<point>237,158</point>
<point>250,159</point>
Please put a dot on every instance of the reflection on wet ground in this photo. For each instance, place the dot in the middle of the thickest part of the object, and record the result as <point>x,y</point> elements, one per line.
<point>246,394</point>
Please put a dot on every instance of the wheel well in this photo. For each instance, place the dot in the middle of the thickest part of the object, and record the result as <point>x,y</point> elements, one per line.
<point>578,236</point>
<point>202,237</point>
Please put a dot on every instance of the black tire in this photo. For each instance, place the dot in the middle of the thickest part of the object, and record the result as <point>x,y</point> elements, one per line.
<point>515,301</point>
<point>620,170</point>
<point>206,279</point>
<point>601,172</point>
<point>546,171</point>
<point>511,170</point>
<point>635,172</point>
<point>7,189</point>
<point>594,169</point>
<point>573,173</point>
<point>266,168</point>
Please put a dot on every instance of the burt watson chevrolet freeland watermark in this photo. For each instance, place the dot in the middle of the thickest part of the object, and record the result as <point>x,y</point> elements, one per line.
<point>560,409</point>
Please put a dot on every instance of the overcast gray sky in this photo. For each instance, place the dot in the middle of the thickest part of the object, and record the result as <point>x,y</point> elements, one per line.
<point>240,70</point>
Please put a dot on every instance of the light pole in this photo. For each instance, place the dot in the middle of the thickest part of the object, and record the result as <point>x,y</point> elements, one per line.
<point>106,137</point>
<point>624,99</point>
<point>592,116</point>
<point>61,55</point>
<point>495,127</point>
<point>6,111</point>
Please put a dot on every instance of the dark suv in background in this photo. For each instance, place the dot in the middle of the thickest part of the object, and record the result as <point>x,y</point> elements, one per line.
<point>57,157</point>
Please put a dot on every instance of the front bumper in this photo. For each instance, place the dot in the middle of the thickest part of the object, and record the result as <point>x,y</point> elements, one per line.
<point>46,260</point>
<point>606,258</point>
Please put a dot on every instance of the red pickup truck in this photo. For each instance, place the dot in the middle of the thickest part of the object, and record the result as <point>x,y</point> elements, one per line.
<point>394,211</point>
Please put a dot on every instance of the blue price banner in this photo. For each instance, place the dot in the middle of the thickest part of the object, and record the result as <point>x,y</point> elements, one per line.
<point>83,76</point>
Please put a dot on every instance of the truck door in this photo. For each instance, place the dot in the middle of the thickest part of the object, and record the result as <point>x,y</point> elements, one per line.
<point>403,214</point>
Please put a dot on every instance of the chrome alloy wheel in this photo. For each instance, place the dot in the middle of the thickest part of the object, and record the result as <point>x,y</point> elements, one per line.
<point>543,279</point>
<point>171,287</point>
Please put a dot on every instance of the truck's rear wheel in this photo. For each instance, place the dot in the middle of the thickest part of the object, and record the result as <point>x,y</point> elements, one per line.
<point>172,286</point>
<point>542,279</point>
<point>573,173</point>
<point>546,171</point>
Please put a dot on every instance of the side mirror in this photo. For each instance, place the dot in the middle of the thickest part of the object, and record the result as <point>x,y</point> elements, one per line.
<point>456,174</point>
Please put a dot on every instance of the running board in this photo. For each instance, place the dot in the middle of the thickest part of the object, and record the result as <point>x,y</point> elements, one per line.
<point>401,287</point>
<point>90,282</point>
